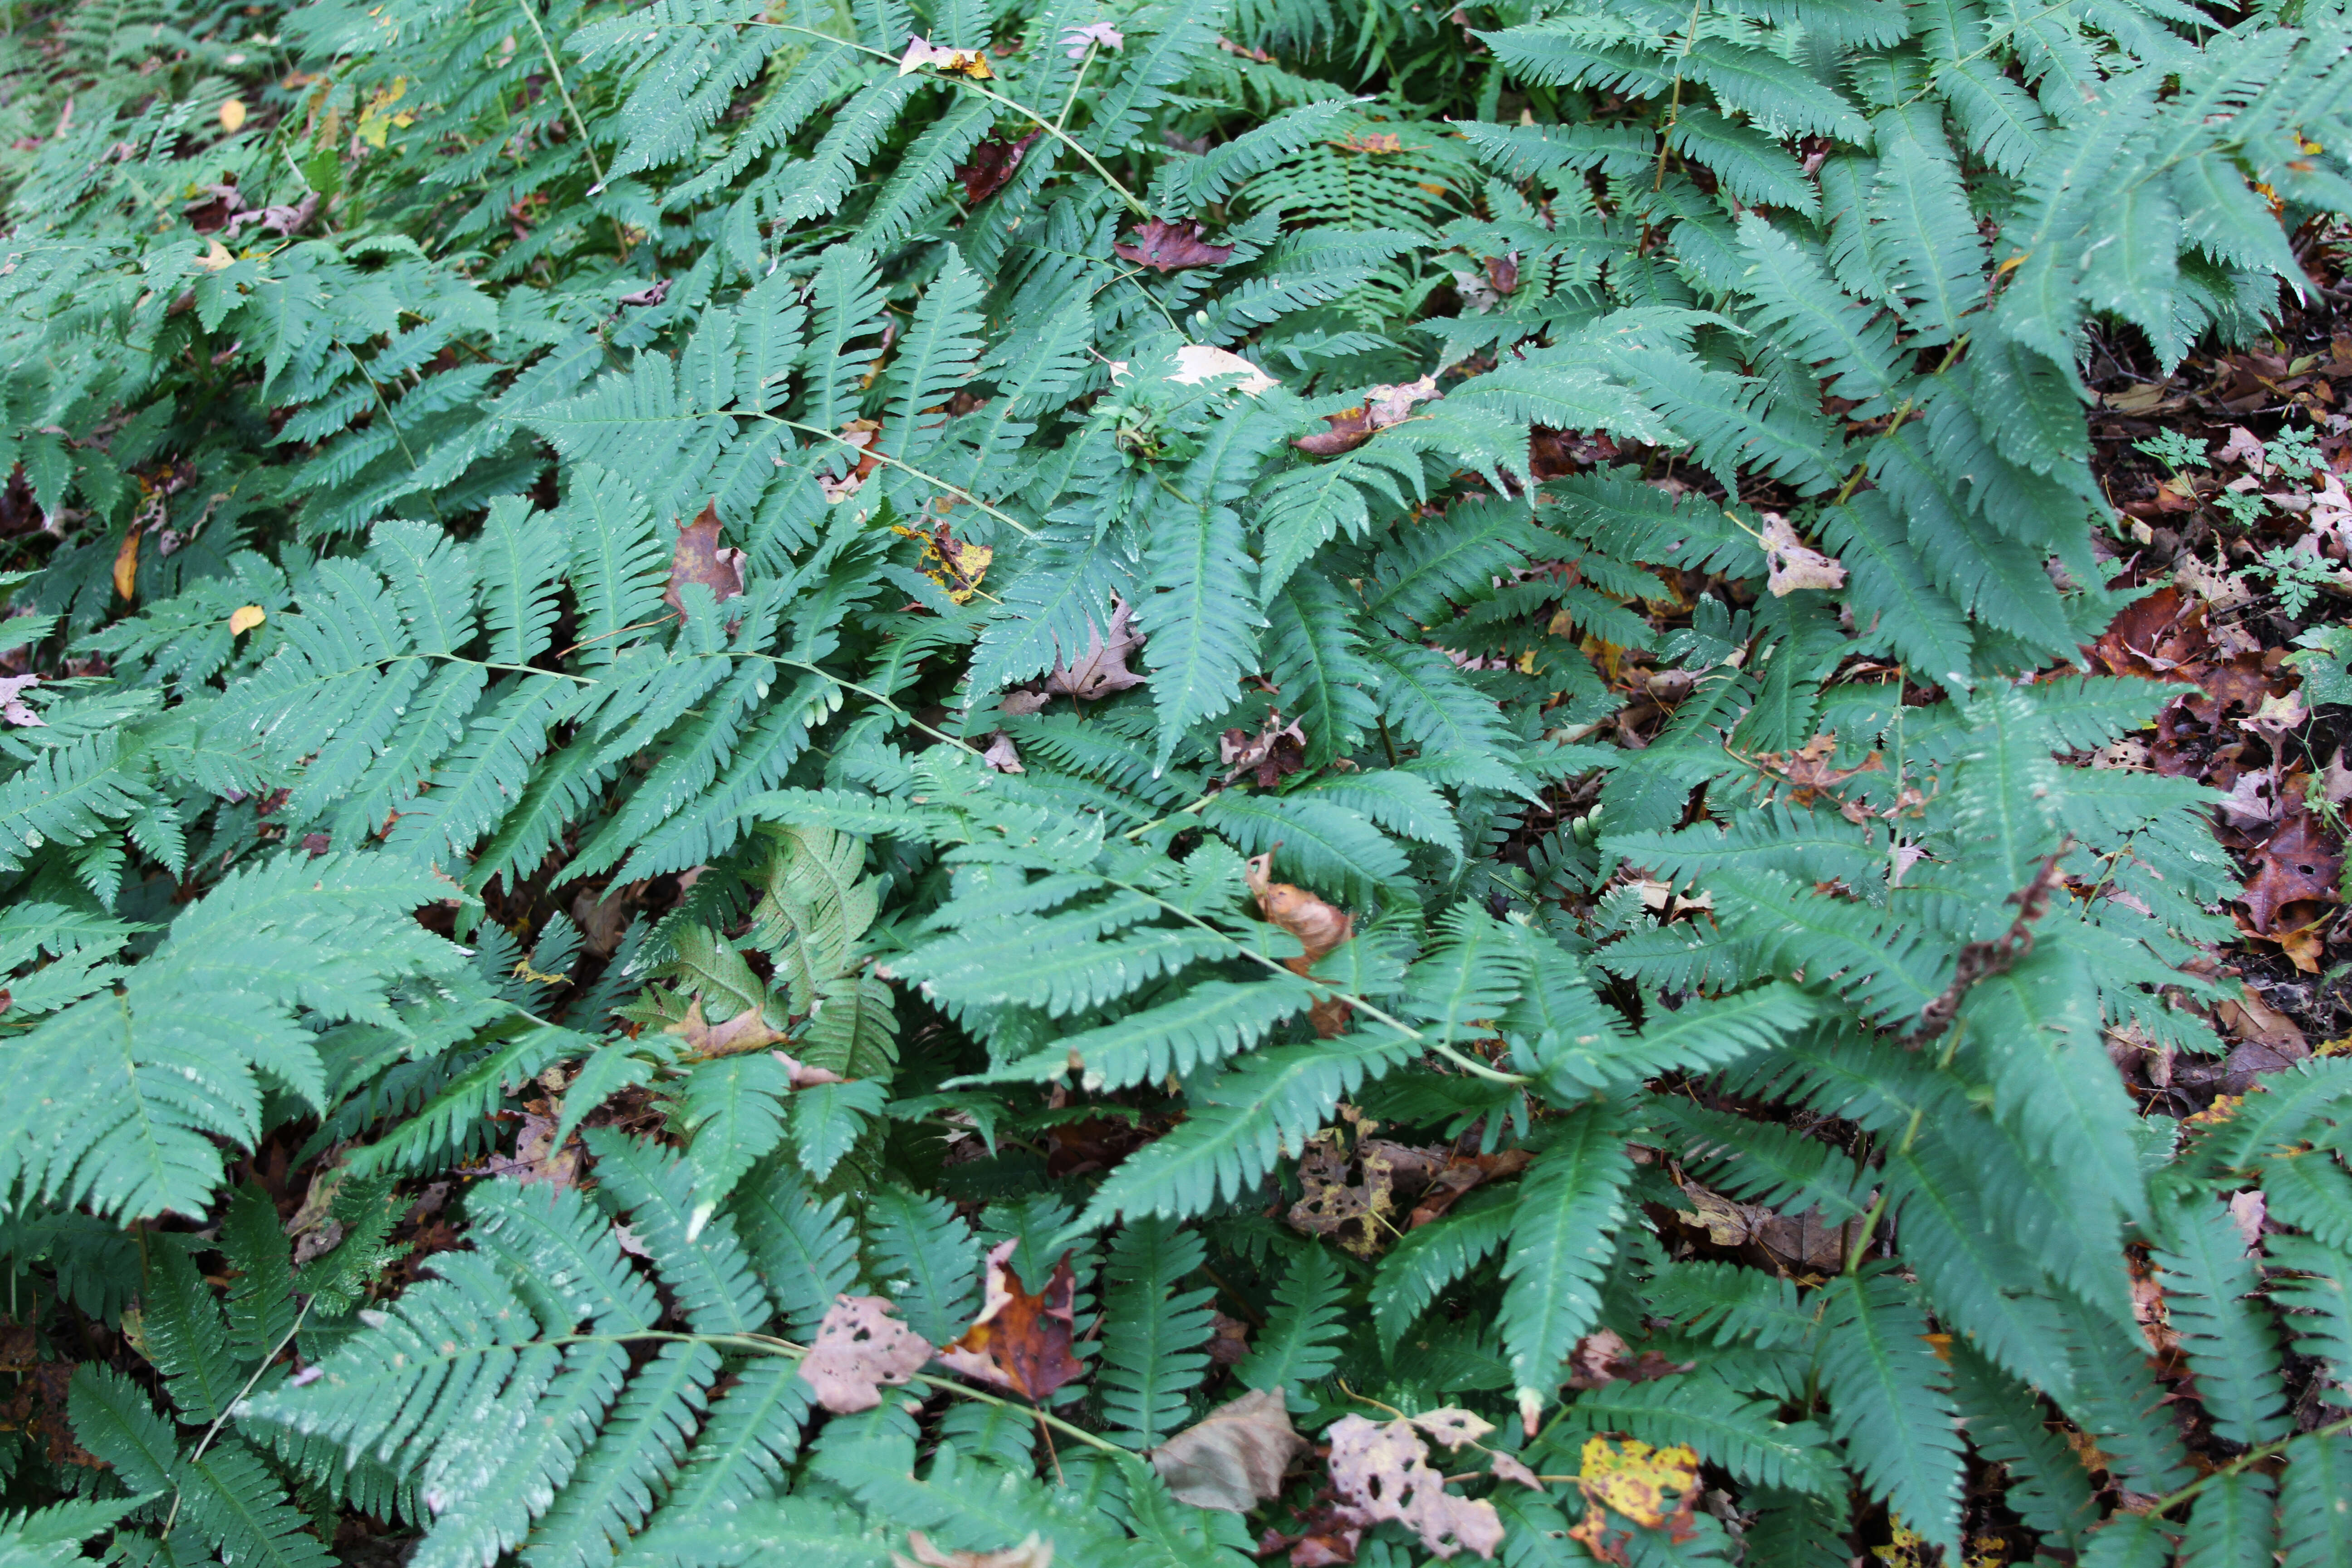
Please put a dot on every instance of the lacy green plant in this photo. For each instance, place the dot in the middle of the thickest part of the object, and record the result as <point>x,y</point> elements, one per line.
<point>768,582</point>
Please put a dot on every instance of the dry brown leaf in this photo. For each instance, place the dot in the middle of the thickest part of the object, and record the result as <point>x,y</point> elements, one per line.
<point>2298,863</point>
<point>1351,428</point>
<point>700,559</point>
<point>993,163</point>
<point>1002,754</point>
<point>800,1074</point>
<point>1020,1342</point>
<point>1034,1553</point>
<point>1234,1457</point>
<point>536,1158</point>
<point>1167,247</point>
<point>1382,1474</point>
<point>1794,564</point>
<point>1273,755</point>
<point>2248,1209</point>
<point>1319,927</point>
<point>746,1031</point>
<point>1102,669</point>
<point>861,1348</point>
<point>13,706</point>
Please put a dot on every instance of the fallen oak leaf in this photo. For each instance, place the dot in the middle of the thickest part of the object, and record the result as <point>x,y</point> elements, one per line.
<point>861,1348</point>
<point>1234,1457</point>
<point>1167,247</point>
<point>1020,1342</point>
<point>1102,670</point>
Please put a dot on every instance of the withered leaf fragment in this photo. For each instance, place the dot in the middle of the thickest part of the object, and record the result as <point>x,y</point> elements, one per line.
<point>1167,247</point>
<point>1794,564</point>
<point>1102,669</point>
<point>1381,407</point>
<point>1034,1553</point>
<point>1233,1459</point>
<point>746,1031</point>
<point>1382,1474</point>
<point>700,559</point>
<point>1020,1342</point>
<point>860,1349</point>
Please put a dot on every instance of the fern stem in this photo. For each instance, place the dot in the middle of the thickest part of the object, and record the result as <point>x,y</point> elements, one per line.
<point>1023,109</point>
<point>2251,1457</point>
<point>1675,106</point>
<point>1077,82</point>
<point>213,1431</point>
<point>958,491</point>
<point>863,691</point>
<point>555,67</point>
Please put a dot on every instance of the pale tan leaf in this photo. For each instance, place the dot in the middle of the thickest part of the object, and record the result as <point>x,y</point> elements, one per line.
<point>861,1348</point>
<point>1234,1457</point>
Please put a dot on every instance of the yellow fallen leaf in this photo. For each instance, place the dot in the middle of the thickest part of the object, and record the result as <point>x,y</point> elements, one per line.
<point>126,567</point>
<point>214,258</point>
<point>1642,1483</point>
<point>232,114</point>
<point>244,617</point>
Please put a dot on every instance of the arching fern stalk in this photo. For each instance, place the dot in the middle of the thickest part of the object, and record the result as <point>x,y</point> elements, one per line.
<point>981,638</point>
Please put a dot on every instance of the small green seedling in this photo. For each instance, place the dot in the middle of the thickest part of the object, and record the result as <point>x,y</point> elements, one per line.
<point>2295,453</point>
<point>2245,507</point>
<point>2296,577</point>
<point>2173,449</point>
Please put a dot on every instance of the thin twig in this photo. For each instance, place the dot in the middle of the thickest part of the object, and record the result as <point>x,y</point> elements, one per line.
<point>213,1431</point>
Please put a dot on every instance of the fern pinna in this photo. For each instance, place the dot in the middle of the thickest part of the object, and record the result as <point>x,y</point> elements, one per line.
<point>839,780</point>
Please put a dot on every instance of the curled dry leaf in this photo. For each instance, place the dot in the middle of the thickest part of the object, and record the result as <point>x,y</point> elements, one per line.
<point>1020,1342</point>
<point>800,1074</point>
<point>994,164</point>
<point>1351,428</point>
<point>1508,1467</point>
<point>1002,754</point>
<point>1319,927</point>
<point>1382,1474</point>
<point>1034,1553</point>
<point>746,1031</point>
<point>700,559</point>
<point>1274,753</point>
<point>1794,564</point>
<point>861,1348</point>
<point>1233,1459</point>
<point>1167,247</point>
<point>1074,41</point>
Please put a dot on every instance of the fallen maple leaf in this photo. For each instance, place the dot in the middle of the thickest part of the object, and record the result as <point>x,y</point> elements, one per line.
<point>861,1348</point>
<point>1381,407</point>
<point>700,559</point>
<point>1382,1474</point>
<point>1033,1552</point>
<point>994,164</point>
<point>1234,1457</point>
<point>1102,669</point>
<point>1167,247</point>
<point>1020,1342</point>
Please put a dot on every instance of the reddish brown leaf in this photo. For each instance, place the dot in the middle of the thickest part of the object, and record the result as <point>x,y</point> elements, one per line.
<point>861,1348</point>
<point>2298,863</point>
<point>1273,755</point>
<point>700,559</point>
<point>1319,927</point>
<point>1167,247</point>
<point>1020,1340</point>
<point>993,163</point>
<point>1503,273</point>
